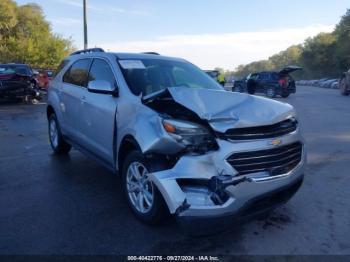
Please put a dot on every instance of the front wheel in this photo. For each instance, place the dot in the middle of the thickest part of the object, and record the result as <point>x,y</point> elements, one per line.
<point>143,197</point>
<point>344,88</point>
<point>58,144</point>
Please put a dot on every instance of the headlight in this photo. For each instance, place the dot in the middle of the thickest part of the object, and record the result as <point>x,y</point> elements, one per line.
<point>194,136</point>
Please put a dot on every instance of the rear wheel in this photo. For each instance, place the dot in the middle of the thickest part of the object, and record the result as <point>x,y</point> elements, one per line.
<point>58,144</point>
<point>143,197</point>
<point>285,94</point>
<point>271,92</point>
<point>344,88</point>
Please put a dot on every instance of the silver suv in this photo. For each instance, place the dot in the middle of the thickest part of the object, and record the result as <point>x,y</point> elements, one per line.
<point>182,144</point>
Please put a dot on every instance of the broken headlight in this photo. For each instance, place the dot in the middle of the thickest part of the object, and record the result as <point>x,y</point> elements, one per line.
<point>193,136</point>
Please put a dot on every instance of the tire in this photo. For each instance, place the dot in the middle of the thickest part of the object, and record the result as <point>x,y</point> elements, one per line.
<point>238,89</point>
<point>270,92</point>
<point>147,205</point>
<point>344,88</point>
<point>285,94</point>
<point>58,144</point>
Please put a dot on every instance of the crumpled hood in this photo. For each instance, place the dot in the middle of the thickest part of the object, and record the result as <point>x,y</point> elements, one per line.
<point>225,110</point>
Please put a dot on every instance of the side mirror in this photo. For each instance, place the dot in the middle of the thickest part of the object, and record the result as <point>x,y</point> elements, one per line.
<point>102,87</point>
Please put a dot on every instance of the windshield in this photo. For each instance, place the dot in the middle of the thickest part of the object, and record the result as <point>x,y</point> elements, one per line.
<point>12,69</point>
<point>147,76</point>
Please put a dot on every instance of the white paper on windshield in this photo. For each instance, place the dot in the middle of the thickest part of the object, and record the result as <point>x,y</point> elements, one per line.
<point>132,64</point>
<point>2,69</point>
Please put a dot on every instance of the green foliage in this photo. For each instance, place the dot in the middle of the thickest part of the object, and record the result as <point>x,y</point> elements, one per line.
<point>318,56</point>
<point>342,45</point>
<point>25,36</point>
<point>325,55</point>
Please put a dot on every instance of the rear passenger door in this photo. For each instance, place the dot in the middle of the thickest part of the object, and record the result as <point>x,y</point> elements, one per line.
<point>263,81</point>
<point>72,93</point>
<point>98,125</point>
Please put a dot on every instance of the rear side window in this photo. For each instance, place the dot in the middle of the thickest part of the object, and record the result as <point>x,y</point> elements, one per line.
<point>275,76</point>
<point>77,74</point>
<point>100,70</point>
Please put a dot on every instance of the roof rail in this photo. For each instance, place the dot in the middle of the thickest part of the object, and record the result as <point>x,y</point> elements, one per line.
<point>150,53</point>
<point>87,51</point>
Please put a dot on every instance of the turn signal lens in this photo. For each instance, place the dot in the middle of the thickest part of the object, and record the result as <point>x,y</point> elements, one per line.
<point>169,127</point>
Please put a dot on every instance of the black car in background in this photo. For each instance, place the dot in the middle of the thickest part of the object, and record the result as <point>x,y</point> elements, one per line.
<point>271,83</point>
<point>17,81</point>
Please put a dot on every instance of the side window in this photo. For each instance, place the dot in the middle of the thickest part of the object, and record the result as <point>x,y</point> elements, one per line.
<point>254,76</point>
<point>100,70</point>
<point>264,76</point>
<point>77,74</point>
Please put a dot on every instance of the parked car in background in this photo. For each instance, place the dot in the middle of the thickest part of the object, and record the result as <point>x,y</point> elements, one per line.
<point>239,85</point>
<point>344,83</point>
<point>272,83</point>
<point>335,85</point>
<point>324,82</point>
<point>327,83</point>
<point>17,81</point>
<point>181,143</point>
<point>44,77</point>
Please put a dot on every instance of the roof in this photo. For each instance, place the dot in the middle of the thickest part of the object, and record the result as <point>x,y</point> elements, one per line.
<point>144,56</point>
<point>95,52</point>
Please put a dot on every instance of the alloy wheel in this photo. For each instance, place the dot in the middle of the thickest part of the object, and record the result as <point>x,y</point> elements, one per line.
<point>53,133</point>
<point>139,188</point>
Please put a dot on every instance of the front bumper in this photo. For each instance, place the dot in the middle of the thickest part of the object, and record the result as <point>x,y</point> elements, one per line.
<point>256,207</point>
<point>15,89</point>
<point>191,203</point>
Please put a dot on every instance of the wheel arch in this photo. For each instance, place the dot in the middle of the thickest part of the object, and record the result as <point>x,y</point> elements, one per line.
<point>128,144</point>
<point>49,111</point>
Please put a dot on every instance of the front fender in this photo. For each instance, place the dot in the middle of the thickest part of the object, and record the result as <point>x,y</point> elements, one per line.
<point>149,134</point>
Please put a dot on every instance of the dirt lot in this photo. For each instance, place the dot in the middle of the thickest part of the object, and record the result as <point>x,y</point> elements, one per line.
<point>71,205</point>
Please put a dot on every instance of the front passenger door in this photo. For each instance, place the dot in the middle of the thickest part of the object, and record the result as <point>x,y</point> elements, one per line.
<point>99,113</point>
<point>72,91</point>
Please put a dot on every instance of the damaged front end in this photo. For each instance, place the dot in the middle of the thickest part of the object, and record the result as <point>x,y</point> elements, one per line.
<point>205,180</point>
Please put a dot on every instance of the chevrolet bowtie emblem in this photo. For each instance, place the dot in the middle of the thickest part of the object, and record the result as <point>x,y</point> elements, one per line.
<point>276,142</point>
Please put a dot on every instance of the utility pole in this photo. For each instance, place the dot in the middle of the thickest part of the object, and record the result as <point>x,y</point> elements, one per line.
<point>85,26</point>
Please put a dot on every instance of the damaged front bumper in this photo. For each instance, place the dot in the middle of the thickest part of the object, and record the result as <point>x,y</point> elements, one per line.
<point>206,188</point>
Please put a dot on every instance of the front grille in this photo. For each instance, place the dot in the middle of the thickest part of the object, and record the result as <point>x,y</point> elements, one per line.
<point>259,132</point>
<point>276,161</point>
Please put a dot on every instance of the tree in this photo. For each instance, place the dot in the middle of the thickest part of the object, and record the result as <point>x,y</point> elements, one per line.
<point>325,55</point>
<point>27,37</point>
<point>318,56</point>
<point>342,49</point>
<point>291,56</point>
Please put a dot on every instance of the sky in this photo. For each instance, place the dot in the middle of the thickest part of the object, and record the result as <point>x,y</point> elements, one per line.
<point>208,33</point>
